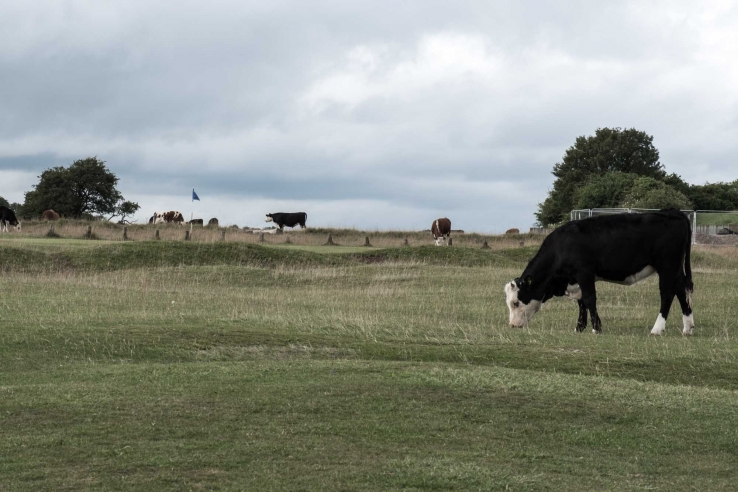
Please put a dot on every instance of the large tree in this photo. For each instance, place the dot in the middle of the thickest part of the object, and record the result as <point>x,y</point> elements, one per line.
<point>85,188</point>
<point>609,150</point>
<point>651,193</point>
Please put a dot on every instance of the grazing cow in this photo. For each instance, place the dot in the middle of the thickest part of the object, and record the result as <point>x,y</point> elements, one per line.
<point>7,217</point>
<point>288,219</point>
<point>514,230</point>
<point>213,221</point>
<point>195,222</point>
<point>49,215</point>
<point>167,217</point>
<point>622,249</point>
<point>441,229</point>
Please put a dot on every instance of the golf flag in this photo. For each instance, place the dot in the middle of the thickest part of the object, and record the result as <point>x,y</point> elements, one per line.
<point>194,195</point>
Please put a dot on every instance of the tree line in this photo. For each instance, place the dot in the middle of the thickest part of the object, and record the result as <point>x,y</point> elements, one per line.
<point>618,168</point>
<point>86,189</point>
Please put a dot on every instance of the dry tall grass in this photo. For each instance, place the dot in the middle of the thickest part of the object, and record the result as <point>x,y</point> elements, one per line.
<point>73,229</point>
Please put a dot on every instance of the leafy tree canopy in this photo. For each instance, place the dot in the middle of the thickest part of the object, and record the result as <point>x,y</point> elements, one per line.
<point>4,203</point>
<point>609,150</point>
<point>650,193</point>
<point>715,196</point>
<point>606,191</point>
<point>85,188</point>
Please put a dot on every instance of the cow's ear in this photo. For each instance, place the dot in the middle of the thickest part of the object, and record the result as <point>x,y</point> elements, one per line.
<point>528,280</point>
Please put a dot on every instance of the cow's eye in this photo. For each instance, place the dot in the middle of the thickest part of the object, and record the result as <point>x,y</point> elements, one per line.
<point>516,303</point>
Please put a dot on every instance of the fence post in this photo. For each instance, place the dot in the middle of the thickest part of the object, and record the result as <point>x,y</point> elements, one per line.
<point>261,237</point>
<point>187,235</point>
<point>367,243</point>
<point>450,241</point>
<point>157,235</point>
<point>485,245</point>
<point>89,232</point>
<point>330,240</point>
<point>222,235</point>
<point>405,243</point>
<point>522,243</point>
<point>52,229</point>
<point>125,234</point>
<point>287,240</point>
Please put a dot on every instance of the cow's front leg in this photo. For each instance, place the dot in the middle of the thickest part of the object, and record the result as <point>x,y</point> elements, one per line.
<point>582,321</point>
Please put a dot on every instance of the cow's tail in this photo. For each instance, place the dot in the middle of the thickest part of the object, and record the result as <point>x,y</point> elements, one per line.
<point>689,285</point>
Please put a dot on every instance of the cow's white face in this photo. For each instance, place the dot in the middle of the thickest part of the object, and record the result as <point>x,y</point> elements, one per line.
<point>268,219</point>
<point>440,241</point>
<point>520,313</point>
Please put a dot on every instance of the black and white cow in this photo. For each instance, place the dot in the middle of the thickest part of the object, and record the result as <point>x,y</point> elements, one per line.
<point>7,217</point>
<point>290,219</point>
<point>622,249</point>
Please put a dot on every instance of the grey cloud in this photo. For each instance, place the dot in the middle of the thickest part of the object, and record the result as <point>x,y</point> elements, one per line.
<point>213,96</point>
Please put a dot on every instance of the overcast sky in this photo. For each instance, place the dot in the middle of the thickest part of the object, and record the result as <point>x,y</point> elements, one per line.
<point>368,114</point>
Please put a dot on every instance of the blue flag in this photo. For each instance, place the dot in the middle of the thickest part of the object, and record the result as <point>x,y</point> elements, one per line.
<point>194,195</point>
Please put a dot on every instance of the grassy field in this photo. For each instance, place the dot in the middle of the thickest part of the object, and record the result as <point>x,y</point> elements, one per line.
<point>172,365</point>
<point>717,218</point>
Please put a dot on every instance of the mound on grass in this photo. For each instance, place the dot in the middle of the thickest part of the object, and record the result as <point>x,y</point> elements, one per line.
<point>121,256</point>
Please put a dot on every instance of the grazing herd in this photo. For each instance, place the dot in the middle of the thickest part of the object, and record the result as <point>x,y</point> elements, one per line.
<point>621,248</point>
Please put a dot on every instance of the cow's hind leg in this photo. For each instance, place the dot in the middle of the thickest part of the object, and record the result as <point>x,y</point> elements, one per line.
<point>667,289</point>
<point>582,321</point>
<point>684,295</point>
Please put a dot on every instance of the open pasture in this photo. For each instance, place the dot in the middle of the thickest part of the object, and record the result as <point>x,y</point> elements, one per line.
<point>167,365</point>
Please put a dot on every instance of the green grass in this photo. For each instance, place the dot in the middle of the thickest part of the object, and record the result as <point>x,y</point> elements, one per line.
<point>186,366</point>
<point>716,218</point>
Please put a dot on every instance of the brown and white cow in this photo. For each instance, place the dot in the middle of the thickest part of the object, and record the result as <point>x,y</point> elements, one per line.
<point>167,217</point>
<point>441,229</point>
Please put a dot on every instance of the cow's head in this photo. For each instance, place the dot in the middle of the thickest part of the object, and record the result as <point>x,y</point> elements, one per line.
<point>519,297</point>
<point>440,240</point>
<point>269,218</point>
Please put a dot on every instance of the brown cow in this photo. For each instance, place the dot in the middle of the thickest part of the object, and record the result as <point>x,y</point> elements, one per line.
<point>512,231</point>
<point>50,215</point>
<point>441,229</point>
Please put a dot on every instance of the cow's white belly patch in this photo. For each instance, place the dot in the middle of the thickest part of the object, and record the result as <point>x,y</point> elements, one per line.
<point>636,277</point>
<point>573,292</point>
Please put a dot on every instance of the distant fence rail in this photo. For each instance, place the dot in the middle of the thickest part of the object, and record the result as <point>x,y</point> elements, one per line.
<point>705,223</point>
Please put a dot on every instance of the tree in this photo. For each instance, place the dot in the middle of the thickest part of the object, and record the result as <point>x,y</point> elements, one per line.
<point>715,196</point>
<point>650,193</point>
<point>4,203</point>
<point>609,150</point>
<point>125,209</point>
<point>606,191</point>
<point>85,188</point>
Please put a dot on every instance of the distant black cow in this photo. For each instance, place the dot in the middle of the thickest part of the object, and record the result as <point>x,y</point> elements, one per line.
<point>622,249</point>
<point>195,222</point>
<point>288,219</point>
<point>441,230</point>
<point>213,221</point>
<point>7,217</point>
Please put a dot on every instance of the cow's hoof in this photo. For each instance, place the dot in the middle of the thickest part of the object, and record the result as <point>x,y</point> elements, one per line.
<point>596,332</point>
<point>657,333</point>
<point>687,332</point>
